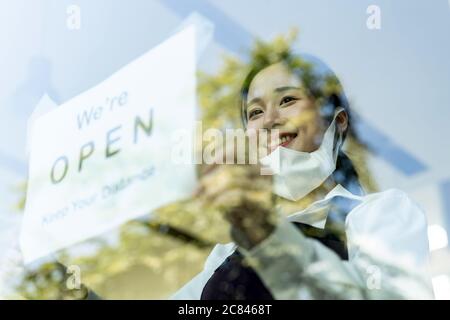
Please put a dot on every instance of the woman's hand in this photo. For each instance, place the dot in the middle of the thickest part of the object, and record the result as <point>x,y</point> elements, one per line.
<point>244,196</point>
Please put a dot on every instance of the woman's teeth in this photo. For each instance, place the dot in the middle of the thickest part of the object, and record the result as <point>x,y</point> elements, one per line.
<point>283,140</point>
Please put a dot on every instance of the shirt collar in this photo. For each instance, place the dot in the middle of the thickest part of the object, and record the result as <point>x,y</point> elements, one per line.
<point>316,214</point>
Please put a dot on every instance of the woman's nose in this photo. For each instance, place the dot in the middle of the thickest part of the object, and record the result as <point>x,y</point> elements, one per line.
<point>271,118</point>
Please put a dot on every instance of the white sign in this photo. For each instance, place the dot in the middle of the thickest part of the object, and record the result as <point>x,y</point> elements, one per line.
<point>104,157</point>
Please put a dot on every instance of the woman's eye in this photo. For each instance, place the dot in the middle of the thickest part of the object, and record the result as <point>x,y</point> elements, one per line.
<point>254,113</point>
<point>287,100</point>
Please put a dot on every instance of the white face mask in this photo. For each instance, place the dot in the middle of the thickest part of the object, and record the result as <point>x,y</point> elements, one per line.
<point>295,173</point>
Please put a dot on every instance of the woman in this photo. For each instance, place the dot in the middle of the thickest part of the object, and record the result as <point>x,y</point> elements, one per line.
<point>323,238</point>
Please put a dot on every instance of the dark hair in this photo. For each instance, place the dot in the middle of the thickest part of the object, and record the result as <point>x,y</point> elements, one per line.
<point>322,84</point>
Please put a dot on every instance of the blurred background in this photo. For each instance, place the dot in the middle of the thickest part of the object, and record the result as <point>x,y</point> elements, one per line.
<point>396,77</point>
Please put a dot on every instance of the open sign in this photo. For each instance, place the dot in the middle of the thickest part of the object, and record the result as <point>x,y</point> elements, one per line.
<point>101,158</point>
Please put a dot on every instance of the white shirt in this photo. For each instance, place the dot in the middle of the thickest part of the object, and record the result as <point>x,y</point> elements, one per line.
<point>387,245</point>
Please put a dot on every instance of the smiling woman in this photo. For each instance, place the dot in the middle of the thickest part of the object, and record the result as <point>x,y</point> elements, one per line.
<point>298,96</point>
<point>320,234</point>
<point>279,97</point>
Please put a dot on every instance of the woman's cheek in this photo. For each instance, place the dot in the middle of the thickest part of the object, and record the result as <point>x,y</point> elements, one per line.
<point>305,141</point>
<point>314,135</point>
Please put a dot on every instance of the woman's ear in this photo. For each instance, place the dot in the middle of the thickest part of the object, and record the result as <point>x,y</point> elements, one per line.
<point>342,121</point>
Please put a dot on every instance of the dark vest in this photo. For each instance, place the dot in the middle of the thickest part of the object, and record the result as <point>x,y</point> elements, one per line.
<point>234,280</point>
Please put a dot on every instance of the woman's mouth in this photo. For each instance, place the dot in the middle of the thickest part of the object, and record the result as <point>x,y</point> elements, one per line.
<point>283,140</point>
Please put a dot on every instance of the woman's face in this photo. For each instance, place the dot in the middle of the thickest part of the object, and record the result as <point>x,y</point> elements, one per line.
<point>278,100</point>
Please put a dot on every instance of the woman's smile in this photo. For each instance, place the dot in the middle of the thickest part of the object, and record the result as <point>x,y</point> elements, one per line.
<point>284,139</point>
